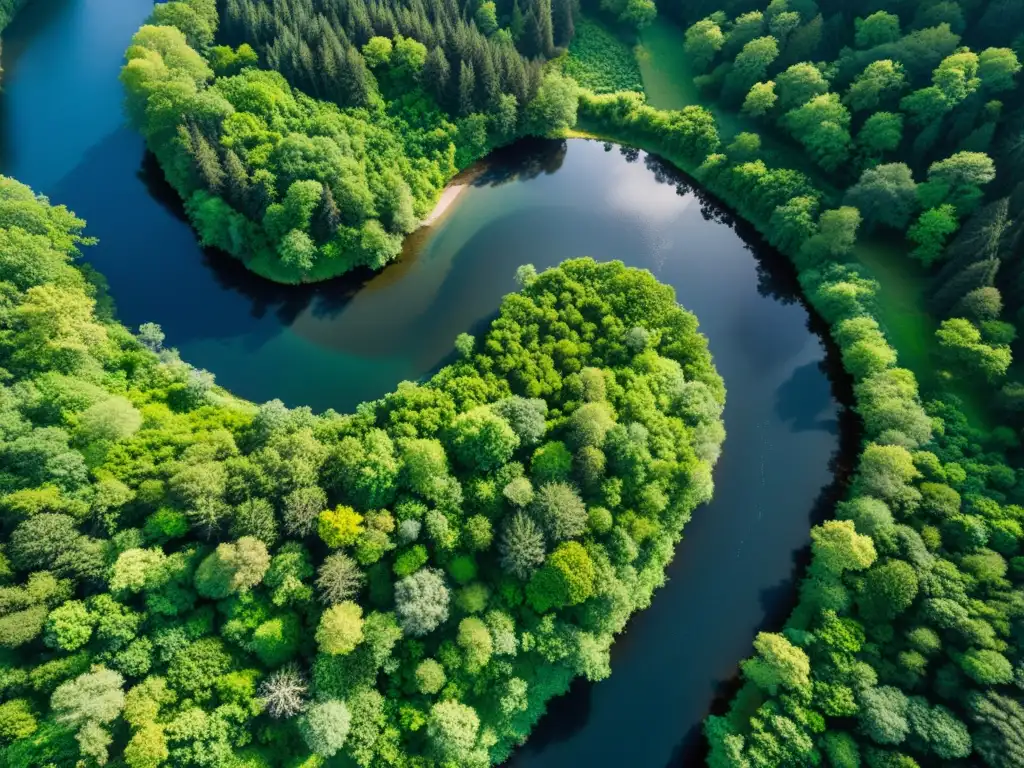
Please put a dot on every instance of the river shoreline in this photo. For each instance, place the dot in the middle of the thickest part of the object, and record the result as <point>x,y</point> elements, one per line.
<point>452,191</point>
<point>444,202</point>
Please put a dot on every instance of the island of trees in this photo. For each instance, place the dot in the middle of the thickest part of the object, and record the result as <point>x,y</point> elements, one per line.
<point>192,580</point>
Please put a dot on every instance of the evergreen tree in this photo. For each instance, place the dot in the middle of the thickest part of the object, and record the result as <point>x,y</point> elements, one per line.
<point>327,218</point>
<point>355,84</point>
<point>237,180</point>
<point>487,93</point>
<point>979,239</point>
<point>204,158</point>
<point>564,26</point>
<point>546,32</point>
<point>467,88</point>
<point>437,75</point>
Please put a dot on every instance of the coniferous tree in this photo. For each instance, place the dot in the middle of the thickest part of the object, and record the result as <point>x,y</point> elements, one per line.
<point>467,88</point>
<point>236,180</point>
<point>546,32</point>
<point>205,159</point>
<point>437,75</point>
<point>486,84</point>
<point>518,23</point>
<point>564,26</point>
<point>355,85</point>
<point>981,274</point>
<point>978,240</point>
<point>327,218</point>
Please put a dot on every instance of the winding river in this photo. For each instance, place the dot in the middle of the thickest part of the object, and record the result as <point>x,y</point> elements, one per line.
<point>337,344</point>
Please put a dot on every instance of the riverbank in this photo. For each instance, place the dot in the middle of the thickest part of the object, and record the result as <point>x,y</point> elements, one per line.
<point>268,266</point>
<point>451,193</point>
<point>539,202</point>
<point>448,196</point>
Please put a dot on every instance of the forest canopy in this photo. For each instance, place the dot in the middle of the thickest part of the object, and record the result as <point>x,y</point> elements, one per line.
<point>876,144</point>
<point>901,126</point>
<point>308,184</point>
<point>192,580</point>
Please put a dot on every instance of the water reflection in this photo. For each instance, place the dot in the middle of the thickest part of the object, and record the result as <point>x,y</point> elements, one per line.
<point>524,161</point>
<point>805,401</point>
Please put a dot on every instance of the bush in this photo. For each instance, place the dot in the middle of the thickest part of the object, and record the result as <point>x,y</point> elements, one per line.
<point>600,61</point>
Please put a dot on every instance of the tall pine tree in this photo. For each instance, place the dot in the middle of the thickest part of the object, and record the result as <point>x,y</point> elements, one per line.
<point>467,88</point>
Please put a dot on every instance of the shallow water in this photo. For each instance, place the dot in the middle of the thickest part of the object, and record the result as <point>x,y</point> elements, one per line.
<point>336,344</point>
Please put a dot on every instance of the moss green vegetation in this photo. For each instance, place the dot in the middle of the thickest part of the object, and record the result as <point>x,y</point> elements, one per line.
<point>190,580</point>
<point>662,63</point>
<point>601,61</point>
<point>903,295</point>
<point>304,188</point>
<point>8,10</point>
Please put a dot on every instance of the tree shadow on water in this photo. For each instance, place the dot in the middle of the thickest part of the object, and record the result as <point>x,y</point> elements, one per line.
<point>566,716</point>
<point>776,275</point>
<point>777,601</point>
<point>524,160</point>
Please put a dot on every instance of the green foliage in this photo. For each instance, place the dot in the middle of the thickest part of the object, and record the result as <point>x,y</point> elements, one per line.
<point>918,578</point>
<point>600,61</point>
<point>930,231</point>
<point>778,664</point>
<point>288,183</point>
<point>560,511</point>
<point>703,41</point>
<point>325,727</point>
<point>250,544</point>
<point>567,578</point>
<point>233,567</point>
<point>339,527</point>
<point>430,676</point>
<point>340,629</point>
<point>690,131</point>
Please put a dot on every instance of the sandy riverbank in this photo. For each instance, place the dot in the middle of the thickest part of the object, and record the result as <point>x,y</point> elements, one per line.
<point>455,187</point>
<point>448,196</point>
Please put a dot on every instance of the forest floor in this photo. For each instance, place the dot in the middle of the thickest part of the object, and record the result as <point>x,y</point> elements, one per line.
<point>668,84</point>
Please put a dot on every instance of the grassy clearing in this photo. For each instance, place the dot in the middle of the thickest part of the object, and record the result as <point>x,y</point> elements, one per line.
<point>902,305</point>
<point>601,61</point>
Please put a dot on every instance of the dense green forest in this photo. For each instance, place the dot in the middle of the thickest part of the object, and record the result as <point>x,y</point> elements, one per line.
<point>324,162</point>
<point>906,646</point>
<point>195,580</point>
<point>192,580</point>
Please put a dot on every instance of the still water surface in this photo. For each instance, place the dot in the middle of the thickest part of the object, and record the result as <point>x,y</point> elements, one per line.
<point>337,344</point>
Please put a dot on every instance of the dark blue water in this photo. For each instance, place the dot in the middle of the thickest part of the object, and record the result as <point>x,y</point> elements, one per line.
<point>337,344</point>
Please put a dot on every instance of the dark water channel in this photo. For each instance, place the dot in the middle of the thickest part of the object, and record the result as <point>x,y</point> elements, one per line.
<point>340,343</point>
